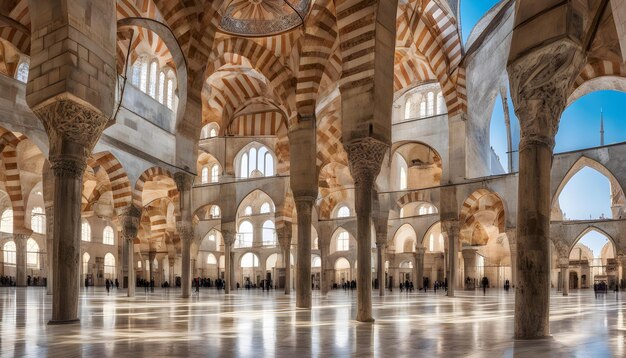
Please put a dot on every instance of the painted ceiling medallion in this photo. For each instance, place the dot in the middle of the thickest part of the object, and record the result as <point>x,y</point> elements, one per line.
<point>263,17</point>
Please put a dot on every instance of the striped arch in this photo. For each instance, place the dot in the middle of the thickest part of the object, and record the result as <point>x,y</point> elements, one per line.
<point>409,70</point>
<point>317,43</point>
<point>260,59</point>
<point>482,200</point>
<point>412,197</point>
<point>282,152</point>
<point>120,184</point>
<point>142,38</point>
<point>257,124</point>
<point>149,175</point>
<point>93,172</point>
<point>329,135</point>
<point>599,71</point>
<point>15,28</point>
<point>13,184</point>
<point>329,202</point>
<point>157,220</point>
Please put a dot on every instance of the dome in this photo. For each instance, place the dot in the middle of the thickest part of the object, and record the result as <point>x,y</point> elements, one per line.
<point>262,17</point>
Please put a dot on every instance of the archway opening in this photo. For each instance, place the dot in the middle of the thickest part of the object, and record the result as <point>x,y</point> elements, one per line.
<point>592,261</point>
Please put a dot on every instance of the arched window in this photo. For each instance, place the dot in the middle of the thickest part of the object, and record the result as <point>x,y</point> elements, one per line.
<point>162,87</point>
<point>245,235</point>
<point>431,103</point>
<point>343,241</point>
<point>212,237</point>
<point>6,223</point>
<point>152,84</point>
<point>265,208</point>
<point>257,160</point>
<point>211,260</point>
<point>37,220</point>
<point>431,243</point>
<point>170,93</point>
<point>212,133</point>
<point>136,75</point>
<point>86,259</point>
<point>205,175</point>
<point>269,233</point>
<point>440,103</point>
<point>215,172</point>
<point>249,260</point>
<point>85,231</point>
<point>423,108</point>
<point>108,237</point>
<point>343,212</point>
<point>138,264</point>
<point>9,253</point>
<point>247,211</point>
<point>244,165</point>
<point>22,72</point>
<point>109,266</point>
<point>316,261</point>
<point>143,77</point>
<point>215,212</point>
<point>403,180</point>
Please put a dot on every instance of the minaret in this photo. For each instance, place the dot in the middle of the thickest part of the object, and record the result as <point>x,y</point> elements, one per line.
<point>601,128</point>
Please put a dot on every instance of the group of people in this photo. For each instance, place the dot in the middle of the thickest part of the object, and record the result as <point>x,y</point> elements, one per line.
<point>407,286</point>
<point>109,284</point>
<point>7,281</point>
<point>208,283</point>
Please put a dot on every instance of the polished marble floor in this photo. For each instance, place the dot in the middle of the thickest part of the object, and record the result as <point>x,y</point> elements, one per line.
<point>261,324</point>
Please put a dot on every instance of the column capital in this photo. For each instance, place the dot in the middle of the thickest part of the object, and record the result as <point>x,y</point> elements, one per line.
<point>69,119</point>
<point>420,251</point>
<point>229,236</point>
<point>68,166</point>
<point>129,218</point>
<point>564,262</point>
<point>365,157</point>
<point>183,180</point>
<point>380,244</point>
<point>541,82</point>
<point>185,230</point>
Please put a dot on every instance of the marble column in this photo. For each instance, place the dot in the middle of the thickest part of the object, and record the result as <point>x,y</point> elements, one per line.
<point>419,267</point>
<point>20,259</point>
<point>469,266</point>
<point>451,227</point>
<point>284,240</point>
<point>622,264</point>
<point>184,182</point>
<point>304,207</point>
<point>380,266</point>
<point>229,239</point>
<point>365,157</point>
<point>541,83</point>
<point>151,257</point>
<point>129,219</point>
<point>564,266</point>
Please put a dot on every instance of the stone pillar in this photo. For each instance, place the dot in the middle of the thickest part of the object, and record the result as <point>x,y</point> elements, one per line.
<point>469,265</point>
<point>71,90</point>
<point>380,266</point>
<point>185,229</point>
<point>511,234</point>
<point>185,237</point>
<point>20,259</point>
<point>284,240</point>
<point>172,278</point>
<point>325,283</point>
<point>151,257</point>
<point>129,219</point>
<point>229,239</point>
<point>541,82</point>
<point>419,267</point>
<point>622,263</point>
<point>564,265</point>
<point>304,206</point>
<point>451,227</point>
<point>365,157</point>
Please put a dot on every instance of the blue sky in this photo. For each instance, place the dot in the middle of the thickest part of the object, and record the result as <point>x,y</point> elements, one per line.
<point>587,194</point>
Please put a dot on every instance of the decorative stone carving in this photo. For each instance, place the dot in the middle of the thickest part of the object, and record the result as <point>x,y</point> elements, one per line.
<point>229,236</point>
<point>541,82</point>
<point>68,167</point>
<point>183,181</point>
<point>256,17</point>
<point>185,230</point>
<point>67,120</point>
<point>365,157</point>
<point>130,222</point>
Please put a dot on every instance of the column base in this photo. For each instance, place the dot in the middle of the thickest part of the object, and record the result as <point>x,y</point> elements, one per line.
<point>60,322</point>
<point>365,320</point>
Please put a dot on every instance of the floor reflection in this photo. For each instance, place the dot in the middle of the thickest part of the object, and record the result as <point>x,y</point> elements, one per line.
<point>254,324</point>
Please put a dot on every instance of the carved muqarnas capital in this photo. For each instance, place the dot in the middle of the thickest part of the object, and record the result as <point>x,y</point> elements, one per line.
<point>67,120</point>
<point>185,230</point>
<point>70,167</point>
<point>541,83</point>
<point>365,157</point>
